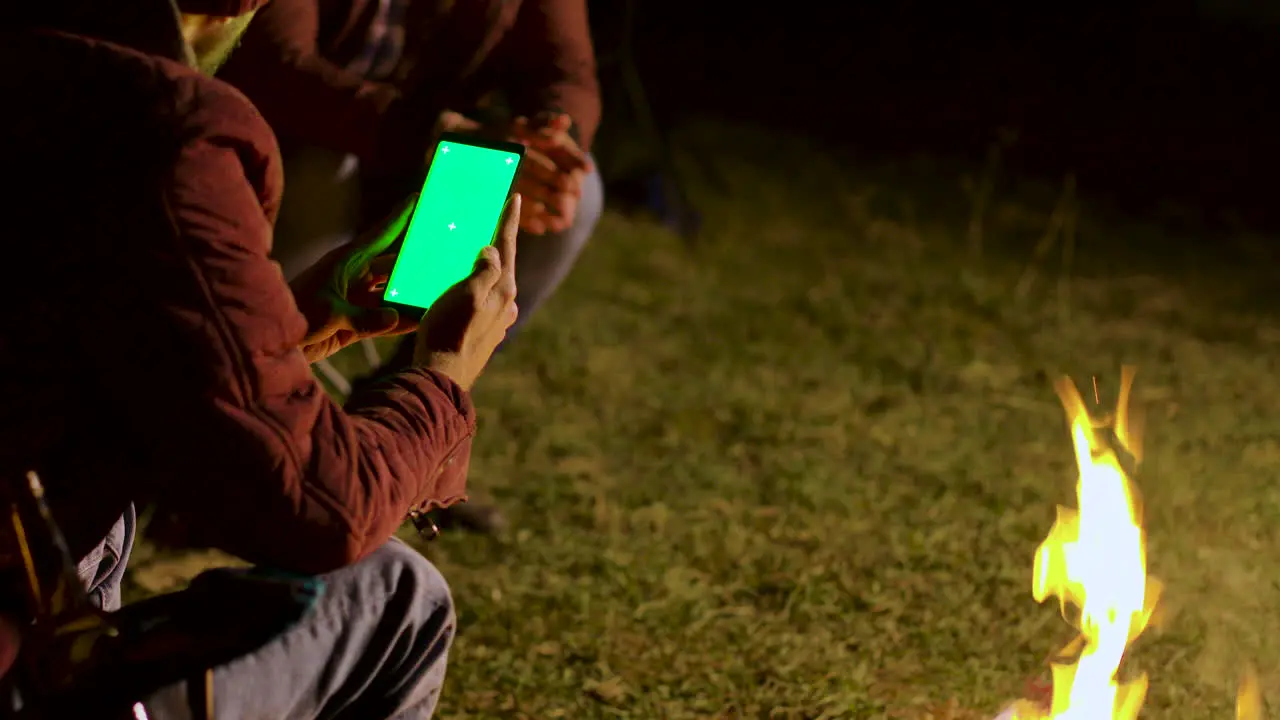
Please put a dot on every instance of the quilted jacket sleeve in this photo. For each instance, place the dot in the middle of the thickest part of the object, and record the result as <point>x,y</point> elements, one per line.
<point>263,463</point>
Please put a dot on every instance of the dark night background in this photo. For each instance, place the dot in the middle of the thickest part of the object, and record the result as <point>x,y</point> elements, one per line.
<point>1149,103</point>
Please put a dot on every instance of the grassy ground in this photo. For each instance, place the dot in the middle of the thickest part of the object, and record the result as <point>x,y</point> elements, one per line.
<point>800,469</point>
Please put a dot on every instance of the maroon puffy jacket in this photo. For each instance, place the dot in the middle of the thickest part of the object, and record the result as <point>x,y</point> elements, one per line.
<point>149,347</point>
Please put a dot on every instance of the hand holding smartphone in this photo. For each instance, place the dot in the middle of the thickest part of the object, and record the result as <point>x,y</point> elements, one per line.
<point>448,270</point>
<point>458,213</point>
<point>461,331</point>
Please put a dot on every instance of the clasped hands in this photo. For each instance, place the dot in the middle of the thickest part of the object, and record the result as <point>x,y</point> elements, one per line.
<point>551,175</point>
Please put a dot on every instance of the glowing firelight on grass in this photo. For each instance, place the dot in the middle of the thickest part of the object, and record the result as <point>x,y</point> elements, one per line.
<point>1094,562</point>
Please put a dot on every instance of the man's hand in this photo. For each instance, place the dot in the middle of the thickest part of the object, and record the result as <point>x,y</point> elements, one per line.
<point>456,122</point>
<point>552,172</point>
<point>462,329</point>
<point>549,134</point>
<point>341,295</point>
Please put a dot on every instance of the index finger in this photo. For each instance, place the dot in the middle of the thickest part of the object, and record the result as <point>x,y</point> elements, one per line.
<point>538,163</point>
<point>563,152</point>
<point>510,230</point>
<point>553,120</point>
<point>366,291</point>
<point>380,267</point>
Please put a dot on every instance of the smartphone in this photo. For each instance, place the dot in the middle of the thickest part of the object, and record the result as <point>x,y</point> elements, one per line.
<point>459,210</point>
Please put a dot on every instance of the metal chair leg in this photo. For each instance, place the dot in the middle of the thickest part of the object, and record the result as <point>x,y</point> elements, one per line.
<point>371,354</point>
<point>335,378</point>
<point>200,695</point>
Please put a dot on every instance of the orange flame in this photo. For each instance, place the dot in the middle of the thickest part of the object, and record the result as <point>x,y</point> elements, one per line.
<point>1249,699</point>
<point>1094,560</point>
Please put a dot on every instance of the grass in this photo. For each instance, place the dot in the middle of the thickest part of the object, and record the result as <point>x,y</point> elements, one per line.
<point>799,469</point>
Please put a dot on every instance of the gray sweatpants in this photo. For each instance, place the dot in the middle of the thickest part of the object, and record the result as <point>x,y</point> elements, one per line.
<point>374,646</point>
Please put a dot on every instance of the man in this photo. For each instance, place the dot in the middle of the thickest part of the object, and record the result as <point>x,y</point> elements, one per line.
<point>357,89</point>
<point>153,351</point>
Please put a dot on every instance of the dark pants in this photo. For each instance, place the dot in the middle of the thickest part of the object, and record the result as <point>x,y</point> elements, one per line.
<point>374,646</point>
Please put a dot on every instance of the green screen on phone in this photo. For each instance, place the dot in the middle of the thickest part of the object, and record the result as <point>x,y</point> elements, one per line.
<point>458,212</point>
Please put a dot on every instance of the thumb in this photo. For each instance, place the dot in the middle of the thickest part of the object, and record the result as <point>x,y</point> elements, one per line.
<point>375,322</point>
<point>391,228</point>
<point>452,121</point>
<point>561,123</point>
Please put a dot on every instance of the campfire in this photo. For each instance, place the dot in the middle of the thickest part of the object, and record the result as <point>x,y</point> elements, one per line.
<point>1094,563</point>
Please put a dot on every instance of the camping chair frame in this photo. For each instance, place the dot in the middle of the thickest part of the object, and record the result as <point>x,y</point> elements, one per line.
<point>75,660</point>
<point>62,629</point>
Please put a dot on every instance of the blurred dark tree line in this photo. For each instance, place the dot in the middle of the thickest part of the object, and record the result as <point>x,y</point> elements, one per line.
<point>1151,101</point>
